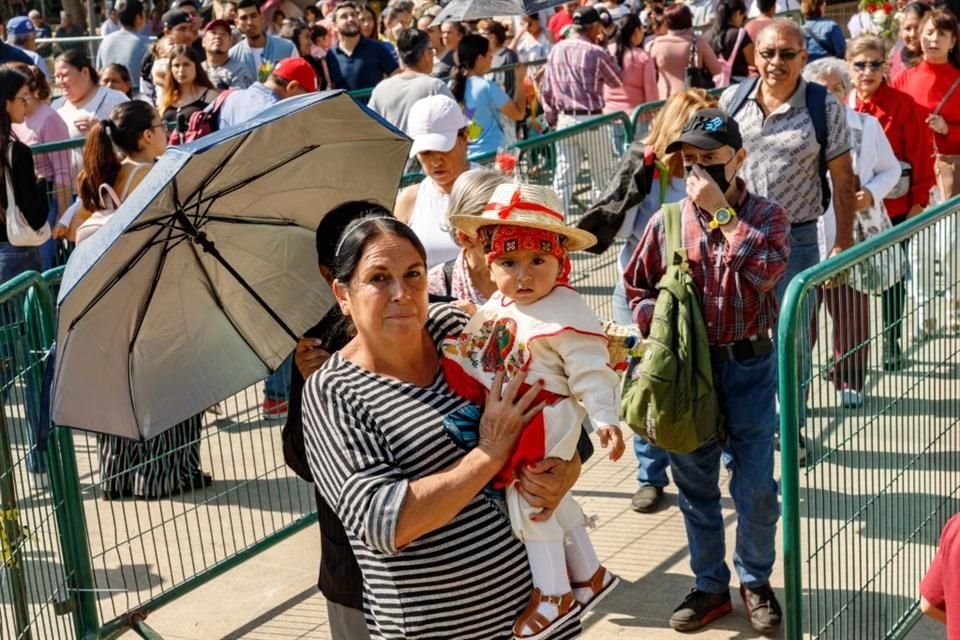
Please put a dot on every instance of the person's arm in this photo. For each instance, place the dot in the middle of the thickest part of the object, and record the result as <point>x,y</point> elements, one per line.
<point>931,611</point>
<point>608,70</point>
<point>650,90</point>
<point>514,109</point>
<point>388,63</point>
<point>433,501</point>
<point>917,152</point>
<point>886,167</point>
<point>708,58</point>
<point>842,177</point>
<point>838,42</point>
<point>406,200</point>
<point>28,195</point>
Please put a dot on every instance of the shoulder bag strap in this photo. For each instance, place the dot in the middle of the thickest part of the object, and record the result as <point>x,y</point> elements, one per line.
<point>673,232</point>
<point>126,185</point>
<point>736,46</point>
<point>692,61</point>
<point>946,97</point>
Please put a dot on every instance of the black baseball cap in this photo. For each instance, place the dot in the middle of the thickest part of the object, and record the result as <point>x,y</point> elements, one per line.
<point>585,16</point>
<point>709,129</point>
<point>175,17</point>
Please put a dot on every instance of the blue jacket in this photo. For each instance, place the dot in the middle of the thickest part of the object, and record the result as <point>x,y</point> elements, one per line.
<point>274,51</point>
<point>824,39</point>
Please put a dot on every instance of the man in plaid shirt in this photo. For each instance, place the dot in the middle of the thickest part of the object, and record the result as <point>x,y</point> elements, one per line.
<point>737,246</point>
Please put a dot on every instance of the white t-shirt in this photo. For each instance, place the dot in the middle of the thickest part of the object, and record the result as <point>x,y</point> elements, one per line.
<point>99,105</point>
<point>257,56</point>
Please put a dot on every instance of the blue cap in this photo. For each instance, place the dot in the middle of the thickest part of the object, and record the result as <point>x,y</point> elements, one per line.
<point>20,26</point>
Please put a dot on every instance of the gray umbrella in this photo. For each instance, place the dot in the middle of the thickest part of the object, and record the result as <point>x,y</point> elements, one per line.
<point>199,284</point>
<point>478,9</point>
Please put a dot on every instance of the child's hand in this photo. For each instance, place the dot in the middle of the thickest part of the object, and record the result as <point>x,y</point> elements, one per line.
<point>611,434</point>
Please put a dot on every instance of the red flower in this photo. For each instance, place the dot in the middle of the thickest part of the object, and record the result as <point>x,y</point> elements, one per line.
<point>871,7</point>
<point>888,8</point>
<point>506,162</point>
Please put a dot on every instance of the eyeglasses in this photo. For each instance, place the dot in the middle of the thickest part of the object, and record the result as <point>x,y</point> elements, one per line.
<point>873,65</point>
<point>159,125</point>
<point>784,54</point>
<point>26,100</point>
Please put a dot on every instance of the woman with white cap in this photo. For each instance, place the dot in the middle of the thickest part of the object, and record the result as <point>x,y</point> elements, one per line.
<point>439,131</point>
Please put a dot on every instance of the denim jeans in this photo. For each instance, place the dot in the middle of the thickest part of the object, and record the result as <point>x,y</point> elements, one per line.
<point>804,253</point>
<point>277,385</point>
<point>746,392</point>
<point>651,461</point>
<point>48,250</point>
<point>13,262</point>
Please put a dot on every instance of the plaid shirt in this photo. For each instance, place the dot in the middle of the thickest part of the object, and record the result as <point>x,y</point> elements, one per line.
<point>735,279</point>
<point>574,76</point>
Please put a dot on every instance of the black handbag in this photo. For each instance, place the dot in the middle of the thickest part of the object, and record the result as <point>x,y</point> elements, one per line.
<point>697,76</point>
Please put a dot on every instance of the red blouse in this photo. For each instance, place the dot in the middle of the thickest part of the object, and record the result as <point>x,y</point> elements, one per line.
<point>901,121</point>
<point>927,83</point>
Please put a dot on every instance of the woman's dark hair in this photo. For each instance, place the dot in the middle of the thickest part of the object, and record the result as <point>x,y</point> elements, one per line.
<point>945,22</point>
<point>121,71</point>
<point>35,79</point>
<point>11,81</point>
<point>811,8</point>
<point>470,49</point>
<point>364,8</point>
<point>497,30</point>
<point>410,46</point>
<point>77,58</point>
<point>724,20</point>
<point>308,10</point>
<point>678,17</point>
<point>919,10</point>
<point>101,165</point>
<point>628,26</point>
<point>337,220</point>
<point>353,243</point>
<point>172,93</point>
<point>294,37</point>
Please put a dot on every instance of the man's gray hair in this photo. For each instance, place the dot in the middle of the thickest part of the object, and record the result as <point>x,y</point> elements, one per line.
<point>819,70</point>
<point>34,14</point>
<point>785,25</point>
<point>471,193</point>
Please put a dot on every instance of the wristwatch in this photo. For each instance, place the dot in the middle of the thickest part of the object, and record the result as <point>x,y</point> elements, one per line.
<point>722,217</point>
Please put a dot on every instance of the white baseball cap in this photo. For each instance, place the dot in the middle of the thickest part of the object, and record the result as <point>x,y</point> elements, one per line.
<point>434,123</point>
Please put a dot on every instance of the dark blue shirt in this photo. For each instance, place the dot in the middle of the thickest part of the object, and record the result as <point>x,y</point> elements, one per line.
<point>369,64</point>
<point>9,53</point>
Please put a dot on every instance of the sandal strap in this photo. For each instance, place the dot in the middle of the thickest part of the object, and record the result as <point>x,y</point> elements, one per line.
<point>595,582</point>
<point>535,621</point>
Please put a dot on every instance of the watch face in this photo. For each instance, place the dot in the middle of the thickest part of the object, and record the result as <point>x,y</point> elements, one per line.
<point>722,216</point>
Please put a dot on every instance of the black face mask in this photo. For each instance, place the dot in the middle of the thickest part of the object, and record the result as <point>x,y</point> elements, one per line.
<point>716,171</point>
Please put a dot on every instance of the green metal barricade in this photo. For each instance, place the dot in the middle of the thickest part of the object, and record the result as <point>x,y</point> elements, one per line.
<point>861,520</point>
<point>34,566</point>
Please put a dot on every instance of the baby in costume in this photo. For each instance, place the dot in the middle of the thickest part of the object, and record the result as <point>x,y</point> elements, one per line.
<point>537,322</point>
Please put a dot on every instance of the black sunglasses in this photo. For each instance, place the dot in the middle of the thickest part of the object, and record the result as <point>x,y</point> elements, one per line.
<point>875,65</point>
<point>784,54</point>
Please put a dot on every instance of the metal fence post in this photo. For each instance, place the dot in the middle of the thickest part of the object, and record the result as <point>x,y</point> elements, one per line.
<point>65,488</point>
<point>789,471</point>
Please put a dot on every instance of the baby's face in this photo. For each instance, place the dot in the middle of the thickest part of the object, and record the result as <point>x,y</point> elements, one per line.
<point>525,275</point>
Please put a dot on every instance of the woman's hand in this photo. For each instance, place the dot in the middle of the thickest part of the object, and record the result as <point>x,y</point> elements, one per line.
<point>937,124</point>
<point>466,306</point>
<point>543,484</point>
<point>84,123</point>
<point>611,434</point>
<point>59,231</point>
<point>505,415</point>
<point>309,356</point>
<point>864,200</point>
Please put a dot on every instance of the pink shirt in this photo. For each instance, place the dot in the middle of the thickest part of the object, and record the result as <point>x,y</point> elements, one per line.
<point>941,585</point>
<point>42,126</point>
<point>671,53</point>
<point>639,83</point>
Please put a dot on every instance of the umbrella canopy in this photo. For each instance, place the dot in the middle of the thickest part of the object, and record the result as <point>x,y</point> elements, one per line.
<point>200,282</point>
<point>479,9</point>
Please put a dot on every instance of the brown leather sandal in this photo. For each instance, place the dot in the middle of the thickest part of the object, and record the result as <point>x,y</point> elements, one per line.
<point>533,625</point>
<point>596,585</point>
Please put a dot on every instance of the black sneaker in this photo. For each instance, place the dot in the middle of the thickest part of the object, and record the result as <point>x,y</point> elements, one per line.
<point>700,608</point>
<point>762,607</point>
<point>893,358</point>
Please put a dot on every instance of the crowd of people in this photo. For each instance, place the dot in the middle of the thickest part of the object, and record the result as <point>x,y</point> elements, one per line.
<point>817,142</point>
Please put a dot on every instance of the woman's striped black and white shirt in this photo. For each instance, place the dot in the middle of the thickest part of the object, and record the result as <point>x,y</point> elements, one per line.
<point>367,437</point>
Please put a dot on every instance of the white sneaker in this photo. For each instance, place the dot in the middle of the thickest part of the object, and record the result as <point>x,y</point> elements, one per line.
<point>850,399</point>
<point>38,480</point>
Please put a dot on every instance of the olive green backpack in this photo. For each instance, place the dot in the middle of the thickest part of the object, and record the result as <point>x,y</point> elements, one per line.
<point>668,392</point>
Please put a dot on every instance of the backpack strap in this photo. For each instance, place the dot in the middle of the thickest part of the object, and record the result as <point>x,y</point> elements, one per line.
<point>740,95</point>
<point>650,163</point>
<point>673,231</point>
<point>106,191</point>
<point>816,101</point>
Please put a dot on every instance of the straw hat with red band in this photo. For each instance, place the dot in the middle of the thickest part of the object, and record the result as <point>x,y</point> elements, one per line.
<point>525,205</point>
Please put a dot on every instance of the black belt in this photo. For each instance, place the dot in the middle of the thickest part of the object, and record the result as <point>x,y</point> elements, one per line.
<point>798,225</point>
<point>582,112</point>
<point>758,345</point>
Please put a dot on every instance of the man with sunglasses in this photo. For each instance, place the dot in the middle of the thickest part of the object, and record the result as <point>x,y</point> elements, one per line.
<point>795,134</point>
